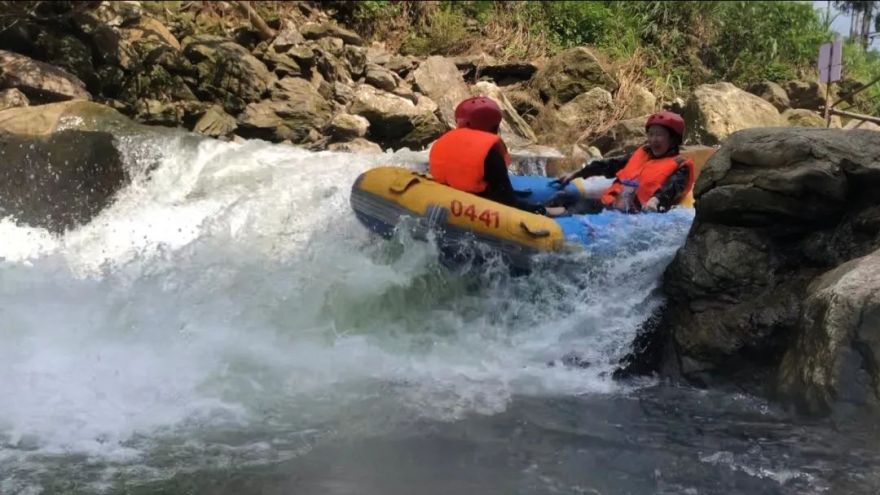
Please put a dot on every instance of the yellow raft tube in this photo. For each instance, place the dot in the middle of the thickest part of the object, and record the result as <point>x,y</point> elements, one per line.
<point>382,196</point>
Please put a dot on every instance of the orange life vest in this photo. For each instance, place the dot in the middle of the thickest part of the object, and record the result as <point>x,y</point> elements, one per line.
<point>458,158</point>
<point>649,173</point>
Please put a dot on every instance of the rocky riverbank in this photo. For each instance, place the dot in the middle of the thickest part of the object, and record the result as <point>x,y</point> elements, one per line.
<point>314,83</point>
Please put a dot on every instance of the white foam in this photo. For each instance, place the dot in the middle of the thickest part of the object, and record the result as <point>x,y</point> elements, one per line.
<point>233,287</point>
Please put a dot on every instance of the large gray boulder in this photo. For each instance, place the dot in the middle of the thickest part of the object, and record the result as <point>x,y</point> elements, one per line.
<point>345,127</point>
<point>315,31</point>
<point>295,112</point>
<point>641,102</point>
<point>801,117</point>
<point>572,72</point>
<point>515,131</point>
<point>380,77</point>
<point>331,64</point>
<point>862,124</point>
<point>775,210</point>
<point>42,120</point>
<point>396,121</point>
<point>227,72</point>
<point>773,93</point>
<point>485,67</point>
<point>356,57</point>
<point>593,106</point>
<point>378,54</point>
<point>215,123</point>
<point>438,79</point>
<point>715,111</point>
<point>834,356</point>
<point>527,105</point>
<point>149,29</point>
<point>623,137</point>
<point>155,83</point>
<point>40,82</point>
<point>280,64</point>
<point>287,38</point>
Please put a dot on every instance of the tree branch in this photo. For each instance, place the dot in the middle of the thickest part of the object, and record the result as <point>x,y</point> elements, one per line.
<point>266,33</point>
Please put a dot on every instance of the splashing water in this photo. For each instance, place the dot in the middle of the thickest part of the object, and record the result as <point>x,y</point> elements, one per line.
<point>228,309</point>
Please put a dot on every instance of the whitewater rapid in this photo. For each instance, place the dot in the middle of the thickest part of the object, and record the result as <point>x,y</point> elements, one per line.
<point>229,303</point>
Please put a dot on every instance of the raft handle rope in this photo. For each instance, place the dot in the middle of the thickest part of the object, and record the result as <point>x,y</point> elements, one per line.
<point>400,188</point>
<point>534,233</point>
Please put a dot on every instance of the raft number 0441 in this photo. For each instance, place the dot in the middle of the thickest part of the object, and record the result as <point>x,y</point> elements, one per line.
<point>487,216</point>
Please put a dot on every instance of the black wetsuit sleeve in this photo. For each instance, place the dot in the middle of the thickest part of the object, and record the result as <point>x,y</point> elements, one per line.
<point>673,188</point>
<point>499,188</point>
<point>606,167</point>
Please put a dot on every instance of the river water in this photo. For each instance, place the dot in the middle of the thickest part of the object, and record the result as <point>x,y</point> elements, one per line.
<point>227,326</point>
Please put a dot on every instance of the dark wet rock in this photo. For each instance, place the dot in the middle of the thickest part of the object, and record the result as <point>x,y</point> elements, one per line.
<point>58,181</point>
<point>776,209</point>
<point>835,357</point>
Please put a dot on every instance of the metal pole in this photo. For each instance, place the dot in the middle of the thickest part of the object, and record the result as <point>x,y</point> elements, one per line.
<point>828,88</point>
<point>859,116</point>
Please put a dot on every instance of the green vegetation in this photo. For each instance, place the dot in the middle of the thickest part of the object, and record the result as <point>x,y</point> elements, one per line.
<point>860,68</point>
<point>677,45</point>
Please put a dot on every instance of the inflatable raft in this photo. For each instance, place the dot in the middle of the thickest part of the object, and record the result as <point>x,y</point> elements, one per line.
<point>382,197</point>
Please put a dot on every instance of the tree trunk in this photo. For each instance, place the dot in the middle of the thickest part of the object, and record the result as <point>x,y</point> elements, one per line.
<point>867,15</point>
<point>852,24</point>
<point>266,33</point>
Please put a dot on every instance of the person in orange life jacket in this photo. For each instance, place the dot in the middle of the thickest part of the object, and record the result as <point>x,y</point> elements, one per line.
<point>473,158</point>
<point>654,178</point>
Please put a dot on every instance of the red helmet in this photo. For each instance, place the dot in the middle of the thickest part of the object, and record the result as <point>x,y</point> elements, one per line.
<point>669,120</point>
<point>480,113</point>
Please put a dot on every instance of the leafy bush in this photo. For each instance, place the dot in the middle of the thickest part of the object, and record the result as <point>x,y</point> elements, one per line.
<point>861,67</point>
<point>766,40</point>
<point>576,23</point>
<point>445,33</point>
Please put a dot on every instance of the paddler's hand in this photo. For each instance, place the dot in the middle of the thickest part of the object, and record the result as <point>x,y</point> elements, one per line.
<point>563,180</point>
<point>555,211</point>
<point>652,206</point>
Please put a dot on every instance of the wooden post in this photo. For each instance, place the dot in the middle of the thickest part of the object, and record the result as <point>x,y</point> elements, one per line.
<point>828,104</point>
